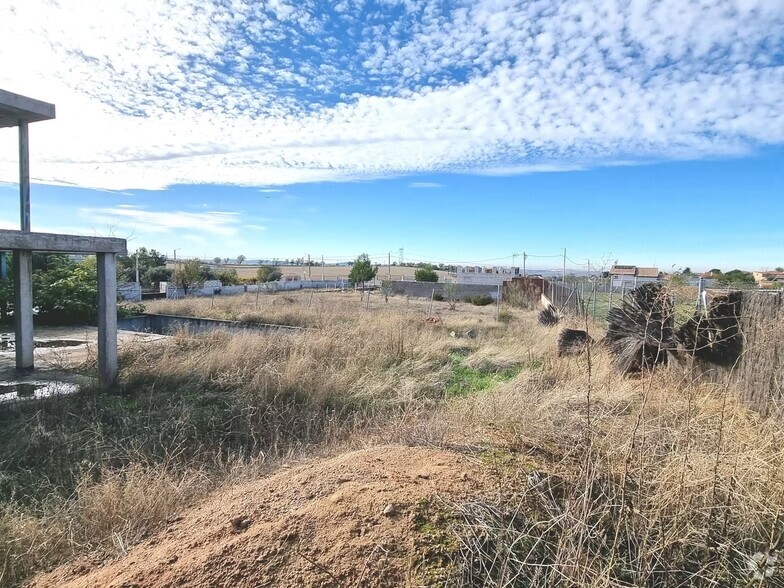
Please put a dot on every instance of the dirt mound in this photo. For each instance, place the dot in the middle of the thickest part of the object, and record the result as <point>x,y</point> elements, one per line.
<point>347,521</point>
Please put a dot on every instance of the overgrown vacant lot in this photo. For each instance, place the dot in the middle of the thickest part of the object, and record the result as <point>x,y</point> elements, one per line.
<point>578,477</point>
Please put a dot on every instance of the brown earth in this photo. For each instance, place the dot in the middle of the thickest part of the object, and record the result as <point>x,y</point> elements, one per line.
<point>346,521</point>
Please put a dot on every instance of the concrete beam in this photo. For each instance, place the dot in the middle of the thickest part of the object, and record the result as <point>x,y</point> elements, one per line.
<point>23,309</point>
<point>107,318</point>
<point>15,108</point>
<point>56,243</point>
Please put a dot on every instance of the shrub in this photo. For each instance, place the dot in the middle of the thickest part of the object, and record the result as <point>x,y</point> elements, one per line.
<point>452,294</point>
<point>481,300</point>
<point>268,273</point>
<point>426,274</point>
<point>438,297</point>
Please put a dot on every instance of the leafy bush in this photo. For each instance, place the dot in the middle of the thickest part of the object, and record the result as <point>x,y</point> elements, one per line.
<point>155,275</point>
<point>438,297</point>
<point>228,277</point>
<point>130,309</point>
<point>480,300</point>
<point>268,273</point>
<point>426,274</point>
<point>66,291</point>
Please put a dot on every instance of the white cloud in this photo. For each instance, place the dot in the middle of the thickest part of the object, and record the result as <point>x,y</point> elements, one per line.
<point>208,96</point>
<point>126,218</point>
<point>425,185</point>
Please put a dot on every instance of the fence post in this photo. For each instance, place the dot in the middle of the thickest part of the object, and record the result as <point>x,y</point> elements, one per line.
<point>700,290</point>
<point>430,310</point>
<point>498,304</point>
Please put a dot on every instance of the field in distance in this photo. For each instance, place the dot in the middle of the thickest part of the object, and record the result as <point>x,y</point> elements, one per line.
<point>330,272</point>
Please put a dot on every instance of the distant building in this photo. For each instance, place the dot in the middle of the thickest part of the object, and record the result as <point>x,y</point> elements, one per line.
<point>630,276</point>
<point>768,280</point>
<point>487,276</point>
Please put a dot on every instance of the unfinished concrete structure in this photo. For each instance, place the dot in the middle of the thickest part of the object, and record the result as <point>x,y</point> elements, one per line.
<point>19,111</point>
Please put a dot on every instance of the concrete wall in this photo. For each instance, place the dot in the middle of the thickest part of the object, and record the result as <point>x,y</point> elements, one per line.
<point>488,276</point>
<point>215,288</point>
<point>131,291</point>
<point>425,289</point>
<point>630,281</point>
<point>165,324</point>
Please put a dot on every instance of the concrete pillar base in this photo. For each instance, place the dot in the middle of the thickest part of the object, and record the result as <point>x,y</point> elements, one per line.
<point>23,309</point>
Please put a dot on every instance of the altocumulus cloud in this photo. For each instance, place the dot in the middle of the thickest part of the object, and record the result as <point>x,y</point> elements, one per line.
<point>125,217</point>
<point>245,92</point>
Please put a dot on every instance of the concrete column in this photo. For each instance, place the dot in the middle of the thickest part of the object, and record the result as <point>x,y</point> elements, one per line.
<point>23,309</point>
<point>107,318</point>
<point>24,177</point>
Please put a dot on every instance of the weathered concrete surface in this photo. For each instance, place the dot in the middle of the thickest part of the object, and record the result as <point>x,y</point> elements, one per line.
<point>57,363</point>
<point>23,309</point>
<point>425,289</point>
<point>15,108</point>
<point>165,324</point>
<point>107,318</point>
<point>56,243</point>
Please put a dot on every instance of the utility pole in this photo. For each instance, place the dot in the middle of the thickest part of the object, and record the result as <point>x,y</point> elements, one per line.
<point>564,267</point>
<point>309,275</point>
<point>322,268</point>
<point>525,256</point>
<point>137,265</point>
<point>389,267</point>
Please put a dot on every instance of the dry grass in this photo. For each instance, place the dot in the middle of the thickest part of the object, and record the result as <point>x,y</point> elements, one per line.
<point>603,480</point>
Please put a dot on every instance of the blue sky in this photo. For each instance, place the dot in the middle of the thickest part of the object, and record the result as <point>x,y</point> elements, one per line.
<point>648,131</point>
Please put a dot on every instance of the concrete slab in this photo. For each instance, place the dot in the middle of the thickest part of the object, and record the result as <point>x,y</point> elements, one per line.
<point>56,243</point>
<point>15,108</point>
<point>58,362</point>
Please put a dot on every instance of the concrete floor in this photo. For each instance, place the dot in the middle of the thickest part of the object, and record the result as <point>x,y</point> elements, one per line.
<point>57,363</point>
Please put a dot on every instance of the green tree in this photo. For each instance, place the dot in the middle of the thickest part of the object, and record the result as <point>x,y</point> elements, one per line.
<point>268,273</point>
<point>715,271</point>
<point>386,288</point>
<point>738,277</point>
<point>687,271</point>
<point>188,275</point>
<point>780,269</point>
<point>6,289</point>
<point>216,260</point>
<point>426,273</point>
<point>362,270</point>
<point>66,291</point>
<point>147,259</point>
<point>156,274</point>
<point>241,258</point>
<point>228,277</point>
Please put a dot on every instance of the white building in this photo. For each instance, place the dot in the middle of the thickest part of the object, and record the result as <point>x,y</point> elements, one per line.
<point>486,276</point>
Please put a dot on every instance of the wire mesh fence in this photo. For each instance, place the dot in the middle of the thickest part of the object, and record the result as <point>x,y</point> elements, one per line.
<point>601,296</point>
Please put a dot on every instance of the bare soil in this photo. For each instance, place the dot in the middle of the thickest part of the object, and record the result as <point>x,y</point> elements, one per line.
<point>344,521</point>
